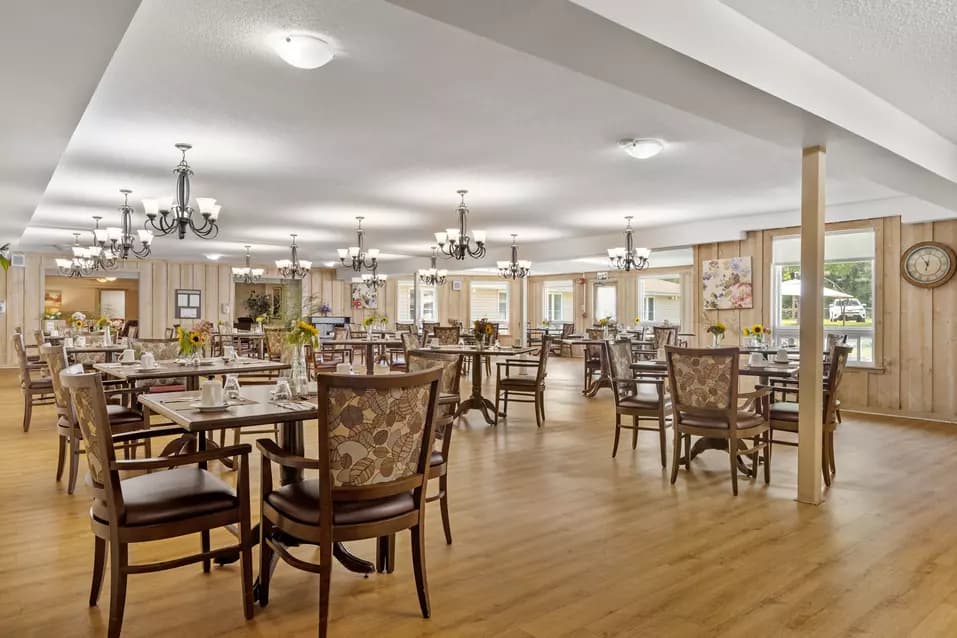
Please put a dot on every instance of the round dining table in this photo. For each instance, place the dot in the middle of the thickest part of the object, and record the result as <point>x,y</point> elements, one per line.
<point>476,401</point>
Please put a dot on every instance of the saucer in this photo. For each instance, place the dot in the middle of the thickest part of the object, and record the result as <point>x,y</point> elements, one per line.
<point>784,360</point>
<point>129,363</point>
<point>758,364</point>
<point>209,408</point>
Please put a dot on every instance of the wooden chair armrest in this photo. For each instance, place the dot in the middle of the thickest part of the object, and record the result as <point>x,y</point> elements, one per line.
<point>164,462</point>
<point>517,362</point>
<point>271,451</point>
<point>760,391</point>
<point>166,430</point>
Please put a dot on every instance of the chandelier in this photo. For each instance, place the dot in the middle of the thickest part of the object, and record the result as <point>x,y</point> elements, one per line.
<point>80,265</point>
<point>516,268</point>
<point>247,274</point>
<point>122,241</point>
<point>97,254</point>
<point>456,242</point>
<point>433,276</point>
<point>629,257</point>
<point>293,268</point>
<point>357,255</point>
<point>178,216</point>
<point>371,280</point>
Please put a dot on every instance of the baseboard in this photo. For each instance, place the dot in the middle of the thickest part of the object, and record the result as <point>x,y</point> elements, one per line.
<point>900,414</point>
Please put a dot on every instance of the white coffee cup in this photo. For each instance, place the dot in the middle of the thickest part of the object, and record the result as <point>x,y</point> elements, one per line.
<point>148,361</point>
<point>211,392</point>
<point>756,359</point>
<point>781,356</point>
<point>229,352</point>
<point>128,355</point>
<point>68,342</point>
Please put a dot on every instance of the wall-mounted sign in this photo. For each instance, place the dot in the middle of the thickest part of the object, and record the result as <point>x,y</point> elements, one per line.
<point>601,276</point>
<point>187,303</point>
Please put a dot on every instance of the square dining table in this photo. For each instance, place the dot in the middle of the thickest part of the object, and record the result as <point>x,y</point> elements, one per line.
<point>131,373</point>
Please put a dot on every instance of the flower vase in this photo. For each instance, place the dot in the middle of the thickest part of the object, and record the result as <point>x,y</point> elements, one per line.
<point>107,337</point>
<point>716,340</point>
<point>604,332</point>
<point>299,374</point>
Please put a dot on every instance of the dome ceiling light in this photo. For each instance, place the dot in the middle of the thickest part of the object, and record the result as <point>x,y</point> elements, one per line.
<point>304,51</point>
<point>642,148</point>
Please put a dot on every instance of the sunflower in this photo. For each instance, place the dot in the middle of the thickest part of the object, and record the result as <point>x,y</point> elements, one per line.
<point>757,329</point>
<point>195,338</point>
<point>489,329</point>
<point>78,323</point>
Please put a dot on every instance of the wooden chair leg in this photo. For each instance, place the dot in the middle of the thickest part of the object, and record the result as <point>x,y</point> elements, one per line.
<point>27,409</point>
<point>99,565</point>
<point>677,457</point>
<point>538,411</point>
<point>60,457</point>
<point>732,454</point>
<point>119,557</point>
<point>767,458</point>
<point>541,405</point>
<point>687,438</point>
<point>418,566</point>
<point>74,462</point>
<point>325,580</point>
<point>634,432</point>
<point>829,436</point>
<point>204,541</point>
<point>246,565</point>
<point>497,398</point>
<point>662,441</point>
<point>444,507</point>
<point>614,449</point>
<point>265,560</point>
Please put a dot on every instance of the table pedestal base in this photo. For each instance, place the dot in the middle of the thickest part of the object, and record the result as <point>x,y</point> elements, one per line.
<point>480,403</point>
<point>705,443</point>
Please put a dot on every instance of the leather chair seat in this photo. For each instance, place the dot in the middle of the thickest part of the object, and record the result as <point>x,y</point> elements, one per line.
<point>644,400</point>
<point>122,414</point>
<point>170,495</point>
<point>448,398</point>
<point>784,411</point>
<point>41,384</point>
<point>529,381</point>
<point>300,501</point>
<point>745,420</point>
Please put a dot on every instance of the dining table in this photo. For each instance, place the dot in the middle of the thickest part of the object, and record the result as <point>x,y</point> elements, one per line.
<point>370,346</point>
<point>134,371</point>
<point>255,407</point>
<point>476,400</point>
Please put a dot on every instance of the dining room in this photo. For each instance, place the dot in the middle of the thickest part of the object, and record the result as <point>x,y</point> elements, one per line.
<point>347,319</point>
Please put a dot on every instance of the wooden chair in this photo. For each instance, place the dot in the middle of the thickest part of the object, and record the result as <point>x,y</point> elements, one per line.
<point>372,478</point>
<point>36,390</point>
<point>275,338</point>
<point>130,328</point>
<point>642,397</point>
<point>333,352</point>
<point>122,418</point>
<point>559,342</point>
<point>457,323</point>
<point>32,349</point>
<point>447,335</point>
<point>162,350</point>
<point>427,327</point>
<point>664,336</point>
<point>530,388</point>
<point>449,398</point>
<point>159,505</point>
<point>704,402</point>
<point>594,357</point>
<point>784,415</point>
<point>399,359</point>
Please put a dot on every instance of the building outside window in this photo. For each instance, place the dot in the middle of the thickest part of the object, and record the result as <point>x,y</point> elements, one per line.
<point>848,290</point>
<point>406,302</point>
<point>558,301</point>
<point>659,298</point>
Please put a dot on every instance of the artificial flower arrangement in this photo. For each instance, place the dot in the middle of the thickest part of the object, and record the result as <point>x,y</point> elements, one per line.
<point>375,318</point>
<point>103,322</point>
<point>261,319</point>
<point>718,329</point>
<point>78,320</point>
<point>190,341</point>
<point>324,308</point>
<point>637,320</point>
<point>56,314</point>
<point>545,323</point>
<point>302,334</point>
<point>604,321</point>
<point>757,332</point>
<point>483,329</point>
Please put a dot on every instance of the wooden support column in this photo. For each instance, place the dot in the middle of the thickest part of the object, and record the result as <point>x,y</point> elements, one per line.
<point>812,325</point>
<point>523,315</point>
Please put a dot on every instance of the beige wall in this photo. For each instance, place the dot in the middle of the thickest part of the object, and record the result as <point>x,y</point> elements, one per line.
<point>83,294</point>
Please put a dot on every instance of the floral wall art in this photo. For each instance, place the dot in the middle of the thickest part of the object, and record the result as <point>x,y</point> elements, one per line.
<point>364,296</point>
<point>727,283</point>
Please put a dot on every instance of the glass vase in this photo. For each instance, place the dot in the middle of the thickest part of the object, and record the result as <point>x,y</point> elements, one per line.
<point>299,374</point>
<point>716,340</point>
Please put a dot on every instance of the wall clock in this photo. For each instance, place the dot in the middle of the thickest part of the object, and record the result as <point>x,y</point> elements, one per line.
<point>928,264</point>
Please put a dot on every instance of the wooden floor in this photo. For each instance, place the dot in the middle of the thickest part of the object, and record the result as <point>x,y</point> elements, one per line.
<point>552,538</point>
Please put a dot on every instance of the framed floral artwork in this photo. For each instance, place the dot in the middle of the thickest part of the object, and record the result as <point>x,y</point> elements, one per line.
<point>727,283</point>
<point>364,296</point>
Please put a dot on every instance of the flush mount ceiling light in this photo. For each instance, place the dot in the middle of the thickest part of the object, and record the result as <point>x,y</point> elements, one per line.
<point>213,256</point>
<point>304,51</point>
<point>642,148</point>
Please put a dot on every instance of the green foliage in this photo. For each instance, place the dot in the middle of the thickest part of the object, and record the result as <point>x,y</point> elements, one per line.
<point>259,304</point>
<point>5,256</point>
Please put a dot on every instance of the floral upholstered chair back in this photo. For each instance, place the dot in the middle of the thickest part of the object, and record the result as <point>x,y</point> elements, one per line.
<point>275,340</point>
<point>593,351</point>
<point>340,333</point>
<point>703,379</point>
<point>665,336</point>
<point>89,405</point>
<point>619,363</point>
<point>56,360</point>
<point>21,349</point>
<point>448,383</point>
<point>838,362</point>
<point>162,349</point>
<point>378,429</point>
<point>447,335</point>
<point>428,327</point>
<point>410,341</point>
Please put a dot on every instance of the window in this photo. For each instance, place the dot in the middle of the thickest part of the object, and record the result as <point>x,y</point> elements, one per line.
<point>488,300</point>
<point>606,302</point>
<point>558,301</point>
<point>848,290</point>
<point>406,302</point>
<point>659,298</point>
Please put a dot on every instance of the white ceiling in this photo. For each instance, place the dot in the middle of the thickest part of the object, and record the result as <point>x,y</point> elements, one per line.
<point>904,51</point>
<point>412,109</point>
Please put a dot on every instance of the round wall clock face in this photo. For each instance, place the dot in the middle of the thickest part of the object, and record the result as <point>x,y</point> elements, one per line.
<point>928,264</point>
